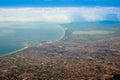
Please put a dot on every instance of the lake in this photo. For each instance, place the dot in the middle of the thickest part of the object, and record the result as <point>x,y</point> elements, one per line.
<point>13,35</point>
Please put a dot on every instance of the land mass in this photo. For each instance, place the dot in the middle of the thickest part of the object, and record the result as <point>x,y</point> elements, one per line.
<point>67,59</point>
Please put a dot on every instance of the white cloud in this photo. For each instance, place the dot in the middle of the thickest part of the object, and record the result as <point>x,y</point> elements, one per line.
<point>58,14</point>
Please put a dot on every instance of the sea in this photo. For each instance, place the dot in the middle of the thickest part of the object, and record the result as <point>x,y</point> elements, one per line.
<point>13,35</point>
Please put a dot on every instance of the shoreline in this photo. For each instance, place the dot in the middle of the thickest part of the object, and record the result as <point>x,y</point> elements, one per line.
<point>26,47</point>
<point>64,32</point>
<point>14,52</point>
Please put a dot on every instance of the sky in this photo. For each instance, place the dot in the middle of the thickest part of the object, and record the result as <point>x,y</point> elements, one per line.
<point>56,3</point>
<point>59,11</point>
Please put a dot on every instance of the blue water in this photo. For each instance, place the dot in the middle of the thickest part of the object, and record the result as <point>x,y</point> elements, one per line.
<point>13,35</point>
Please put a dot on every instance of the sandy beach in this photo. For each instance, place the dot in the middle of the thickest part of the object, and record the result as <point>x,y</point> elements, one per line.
<point>64,32</point>
<point>15,51</point>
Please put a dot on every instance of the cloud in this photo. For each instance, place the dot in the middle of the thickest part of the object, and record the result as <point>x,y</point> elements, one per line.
<point>55,15</point>
<point>99,13</point>
<point>60,14</point>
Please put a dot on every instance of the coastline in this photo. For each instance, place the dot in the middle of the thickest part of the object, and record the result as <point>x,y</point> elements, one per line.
<point>15,51</point>
<point>27,46</point>
<point>64,32</point>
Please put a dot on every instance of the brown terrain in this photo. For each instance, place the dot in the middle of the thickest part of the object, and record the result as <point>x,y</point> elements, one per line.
<point>96,60</point>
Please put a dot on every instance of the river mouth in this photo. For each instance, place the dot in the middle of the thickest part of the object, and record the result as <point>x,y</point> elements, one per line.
<point>13,35</point>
